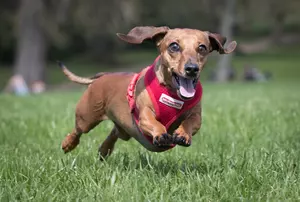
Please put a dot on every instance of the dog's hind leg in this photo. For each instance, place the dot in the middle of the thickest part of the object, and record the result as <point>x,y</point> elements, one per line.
<point>107,146</point>
<point>87,117</point>
<point>72,139</point>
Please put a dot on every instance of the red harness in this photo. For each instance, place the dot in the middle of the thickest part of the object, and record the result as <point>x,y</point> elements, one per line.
<point>168,105</point>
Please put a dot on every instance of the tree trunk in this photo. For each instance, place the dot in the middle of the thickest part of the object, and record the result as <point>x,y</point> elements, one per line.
<point>31,48</point>
<point>225,61</point>
<point>278,12</point>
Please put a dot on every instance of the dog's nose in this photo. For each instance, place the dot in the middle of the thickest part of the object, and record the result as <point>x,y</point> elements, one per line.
<point>191,69</point>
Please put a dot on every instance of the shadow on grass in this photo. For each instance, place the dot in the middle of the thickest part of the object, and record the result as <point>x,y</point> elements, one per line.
<point>168,165</point>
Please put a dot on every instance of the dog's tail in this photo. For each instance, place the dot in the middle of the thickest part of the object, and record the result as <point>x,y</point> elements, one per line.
<point>75,78</point>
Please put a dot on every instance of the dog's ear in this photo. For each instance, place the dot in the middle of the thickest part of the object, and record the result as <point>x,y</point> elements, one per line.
<point>217,42</point>
<point>139,34</point>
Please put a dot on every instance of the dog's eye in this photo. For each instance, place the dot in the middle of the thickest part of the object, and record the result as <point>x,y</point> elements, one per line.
<point>174,47</point>
<point>202,48</point>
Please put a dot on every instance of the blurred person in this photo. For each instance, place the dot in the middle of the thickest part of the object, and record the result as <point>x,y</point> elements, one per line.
<point>18,86</point>
<point>231,74</point>
<point>252,73</point>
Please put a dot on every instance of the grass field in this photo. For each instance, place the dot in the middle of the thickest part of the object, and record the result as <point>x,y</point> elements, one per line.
<point>248,149</point>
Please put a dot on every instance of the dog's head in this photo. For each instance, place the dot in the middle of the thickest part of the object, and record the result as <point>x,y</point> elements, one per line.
<point>183,53</point>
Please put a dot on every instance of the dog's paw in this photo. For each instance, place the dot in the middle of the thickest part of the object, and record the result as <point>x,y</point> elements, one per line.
<point>163,140</point>
<point>70,142</point>
<point>182,140</point>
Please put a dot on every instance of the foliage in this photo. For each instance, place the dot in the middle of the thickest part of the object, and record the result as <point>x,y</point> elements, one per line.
<point>88,27</point>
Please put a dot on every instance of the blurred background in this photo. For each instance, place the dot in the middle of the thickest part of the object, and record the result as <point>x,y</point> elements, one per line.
<point>36,33</point>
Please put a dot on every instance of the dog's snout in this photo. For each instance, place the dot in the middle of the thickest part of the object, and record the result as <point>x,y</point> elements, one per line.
<point>191,69</point>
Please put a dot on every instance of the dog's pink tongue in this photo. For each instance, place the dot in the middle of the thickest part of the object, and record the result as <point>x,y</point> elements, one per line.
<point>186,88</point>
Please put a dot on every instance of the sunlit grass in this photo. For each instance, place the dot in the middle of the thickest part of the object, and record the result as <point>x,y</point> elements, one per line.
<point>247,149</point>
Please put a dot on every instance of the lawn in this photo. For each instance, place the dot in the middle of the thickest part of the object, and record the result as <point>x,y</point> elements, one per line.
<point>248,148</point>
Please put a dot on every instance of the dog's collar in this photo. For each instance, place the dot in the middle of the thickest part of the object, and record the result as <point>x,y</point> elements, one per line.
<point>167,104</point>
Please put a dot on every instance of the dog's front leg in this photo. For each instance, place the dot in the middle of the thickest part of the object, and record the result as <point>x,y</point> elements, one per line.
<point>150,126</point>
<point>188,127</point>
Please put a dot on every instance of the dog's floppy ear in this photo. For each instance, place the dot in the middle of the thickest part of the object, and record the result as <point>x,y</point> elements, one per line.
<point>139,34</point>
<point>217,42</point>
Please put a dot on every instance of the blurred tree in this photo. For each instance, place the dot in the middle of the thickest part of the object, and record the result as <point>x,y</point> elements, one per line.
<point>280,12</point>
<point>224,65</point>
<point>8,11</point>
<point>31,48</point>
<point>38,23</point>
<point>72,28</point>
<point>198,14</point>
<point>99,21</point>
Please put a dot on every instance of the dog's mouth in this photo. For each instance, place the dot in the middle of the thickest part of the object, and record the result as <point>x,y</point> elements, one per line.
<point>185,86</point>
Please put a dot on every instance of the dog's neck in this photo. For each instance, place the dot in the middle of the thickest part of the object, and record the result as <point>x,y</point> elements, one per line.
<point>164,77</point>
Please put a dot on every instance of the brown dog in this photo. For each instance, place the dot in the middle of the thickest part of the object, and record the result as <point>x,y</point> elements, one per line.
<point>125,99</point>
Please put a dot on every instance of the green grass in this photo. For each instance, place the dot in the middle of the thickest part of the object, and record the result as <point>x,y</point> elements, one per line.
<point>248,148</point>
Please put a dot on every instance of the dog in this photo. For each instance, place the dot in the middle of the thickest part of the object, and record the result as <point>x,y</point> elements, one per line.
<point>160,106</point>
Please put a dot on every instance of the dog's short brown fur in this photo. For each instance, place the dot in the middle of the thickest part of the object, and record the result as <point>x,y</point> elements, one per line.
<point>105,97</point>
